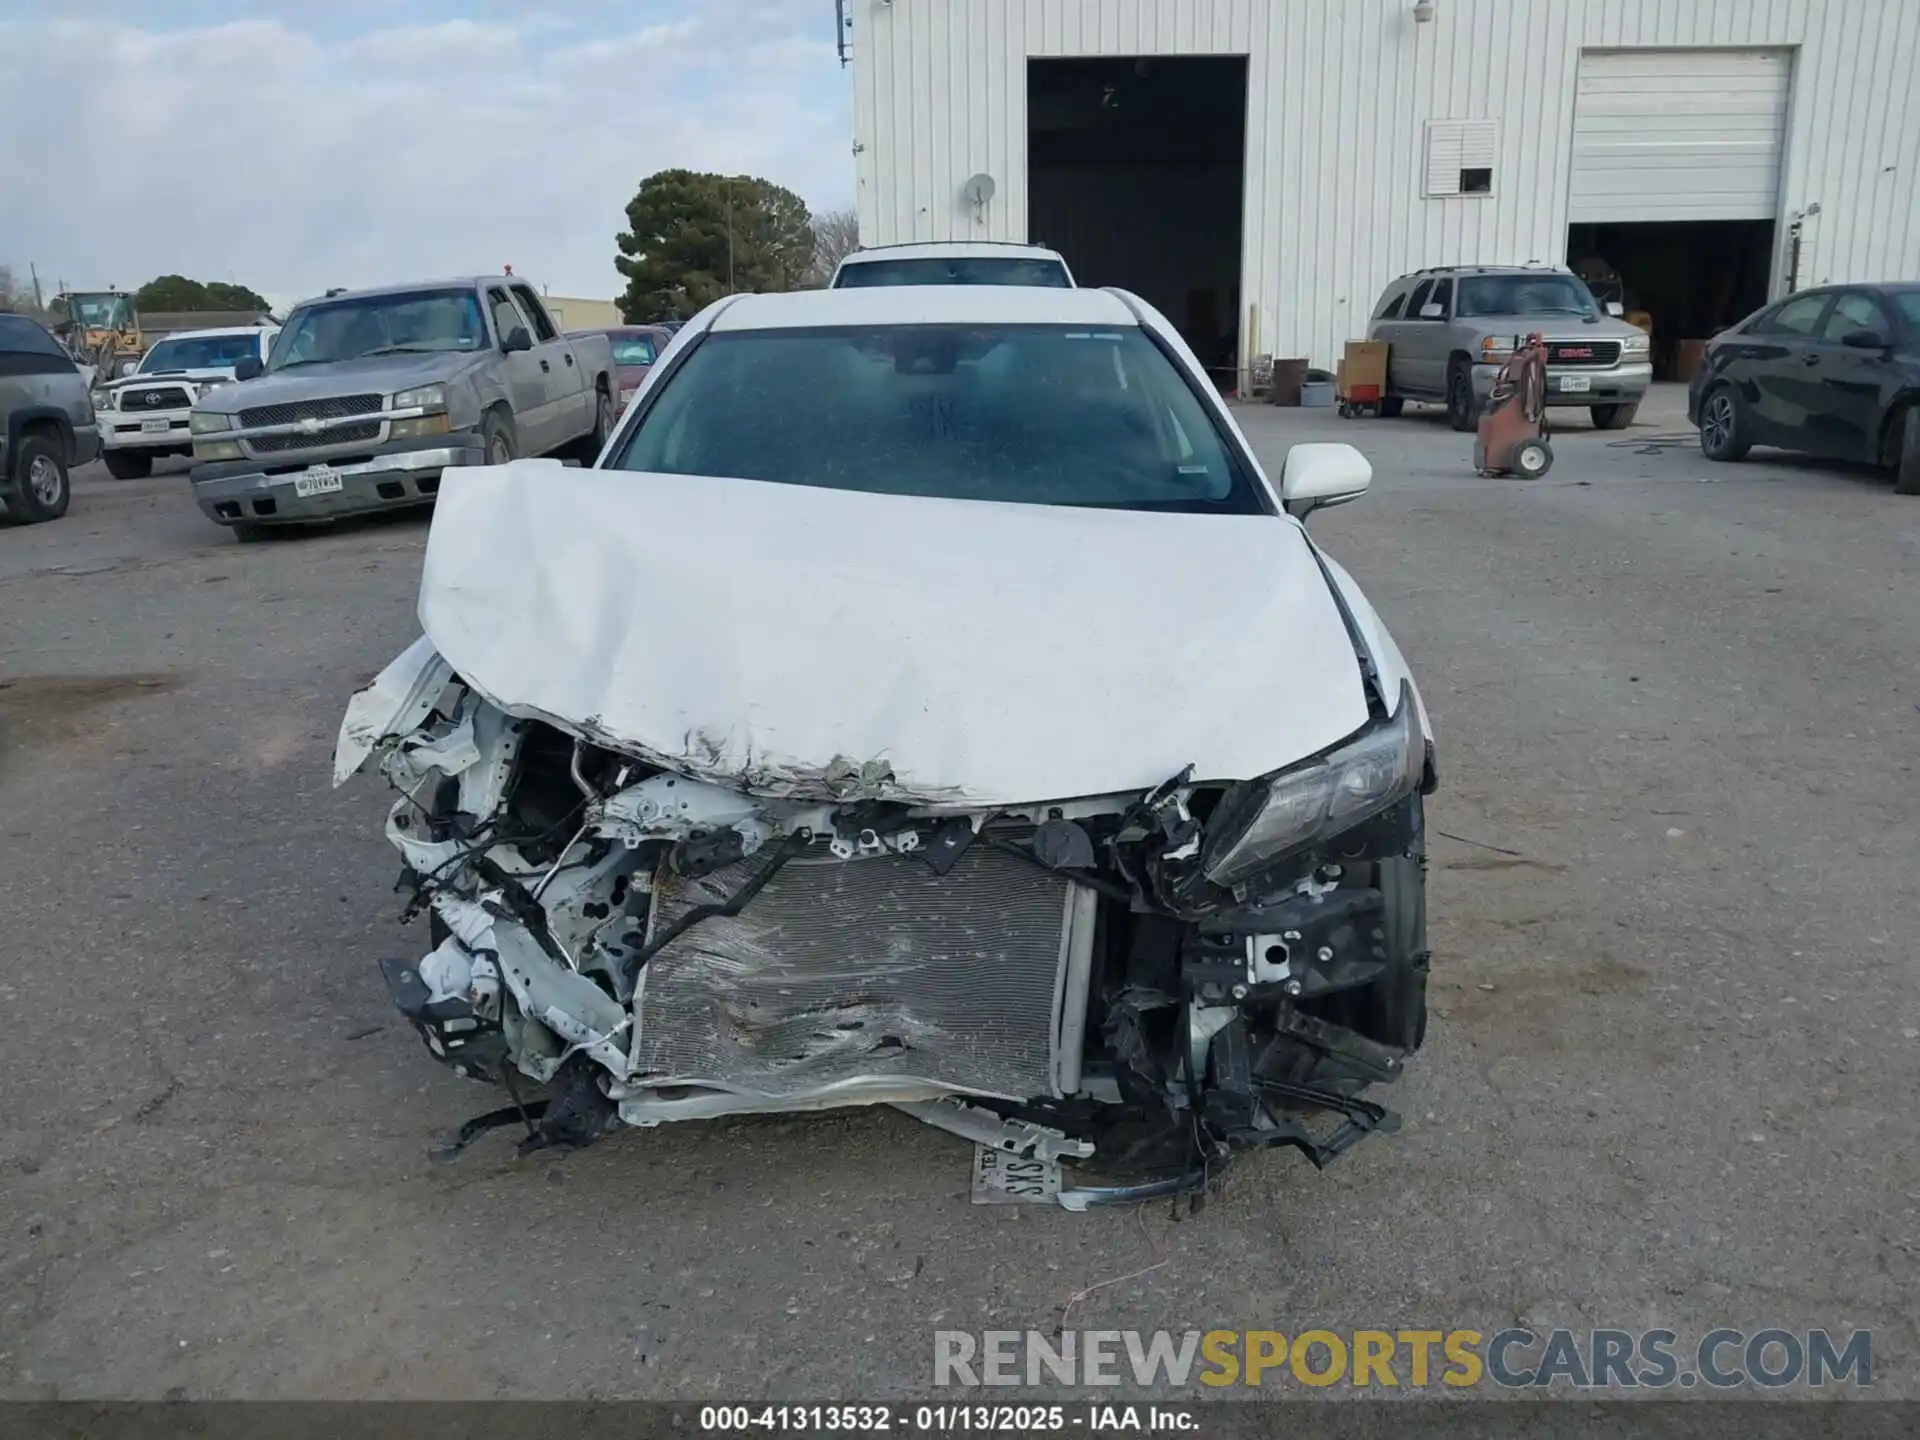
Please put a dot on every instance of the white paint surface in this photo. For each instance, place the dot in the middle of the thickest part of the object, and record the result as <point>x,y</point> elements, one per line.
<point>988,653</point>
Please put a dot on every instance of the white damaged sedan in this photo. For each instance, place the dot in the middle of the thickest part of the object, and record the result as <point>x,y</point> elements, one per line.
<point>925,700</point>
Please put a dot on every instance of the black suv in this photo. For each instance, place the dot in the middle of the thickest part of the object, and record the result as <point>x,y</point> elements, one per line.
<point>1832,372</point>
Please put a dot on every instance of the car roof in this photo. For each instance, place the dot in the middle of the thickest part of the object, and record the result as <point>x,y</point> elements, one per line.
<point>953,250</point>
<point>1434,270</point>
<point>925,305</point>
<point>456,282</point>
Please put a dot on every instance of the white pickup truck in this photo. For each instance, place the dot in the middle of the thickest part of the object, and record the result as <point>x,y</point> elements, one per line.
<point>143,417</point>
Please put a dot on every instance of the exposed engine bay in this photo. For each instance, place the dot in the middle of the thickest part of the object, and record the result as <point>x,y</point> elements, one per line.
<point>1135,983</point>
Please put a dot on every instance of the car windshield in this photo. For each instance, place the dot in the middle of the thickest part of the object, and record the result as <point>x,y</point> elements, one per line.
<point>1524,295</point>
<point>950,270</point>
<point>200,352</point>
<point>1039,414</point>
<point>632,350</point>
<point>101,312</point>
<point>416,320</point>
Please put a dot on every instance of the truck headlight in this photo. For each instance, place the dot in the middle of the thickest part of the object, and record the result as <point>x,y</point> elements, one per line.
<point>1639,344</point>
<point>204,422</point>
<point>103,400</point>
<point>426,397</point>
<point>1496,351</point>
<point>1261,821</point>
<point>216,449</point>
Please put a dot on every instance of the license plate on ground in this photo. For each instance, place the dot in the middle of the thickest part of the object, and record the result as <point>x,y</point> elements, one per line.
<point>317,480</point>
<point>1002,1179</point>
<point>155,427</point>
<point>1575,384</point>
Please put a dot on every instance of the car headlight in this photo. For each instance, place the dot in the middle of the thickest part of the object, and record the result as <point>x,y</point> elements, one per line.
<point>1639,344</point>
<point>426,397</point>
<point>207,387</point>
<point>205,422</point>
<point>1261,821</point>
<point>1496,351</point>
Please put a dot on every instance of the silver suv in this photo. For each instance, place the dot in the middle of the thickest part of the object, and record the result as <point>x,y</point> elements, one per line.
<point>1450,328</point>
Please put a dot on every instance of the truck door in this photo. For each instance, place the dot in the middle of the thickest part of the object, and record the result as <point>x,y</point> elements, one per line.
<point>572,405</point>
<point>526,383</point>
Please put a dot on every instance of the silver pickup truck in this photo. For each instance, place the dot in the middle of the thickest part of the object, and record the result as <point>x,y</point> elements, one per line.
<point>369,394</point>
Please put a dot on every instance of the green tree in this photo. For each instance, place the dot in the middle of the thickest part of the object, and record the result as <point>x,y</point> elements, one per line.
<point>693,237</point>
<point>178,293</point>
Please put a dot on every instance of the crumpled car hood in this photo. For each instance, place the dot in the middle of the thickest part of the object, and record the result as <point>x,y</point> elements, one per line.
<point>831,644</point>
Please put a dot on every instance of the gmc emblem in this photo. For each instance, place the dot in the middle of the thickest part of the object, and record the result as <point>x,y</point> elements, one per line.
<point>1576,352</point>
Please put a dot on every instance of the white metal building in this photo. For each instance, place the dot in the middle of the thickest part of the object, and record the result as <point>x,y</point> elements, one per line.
<point>1259,169</point>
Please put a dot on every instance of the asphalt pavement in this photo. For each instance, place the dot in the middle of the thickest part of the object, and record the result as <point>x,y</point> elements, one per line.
<point>1669,1078</point>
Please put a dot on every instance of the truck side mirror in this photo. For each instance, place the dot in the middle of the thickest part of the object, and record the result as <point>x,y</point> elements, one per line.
<point>516,339</point>
<point>248,367</point>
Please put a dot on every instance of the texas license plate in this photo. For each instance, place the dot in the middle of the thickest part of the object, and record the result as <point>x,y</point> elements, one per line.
<point>1575,384</point>
<point>155,427</point>
<point>1002,1179</point>
<point>317,480</point>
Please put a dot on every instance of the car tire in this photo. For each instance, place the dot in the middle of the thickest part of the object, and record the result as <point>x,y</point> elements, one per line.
<point>590,446</point>
<point>128,464</point>
<point>1462,412</point>
<point>1906,452</point>
<point>1393,1009</point>
<point>1391,406</point>
<point>1614,417</point>
<point>1723,426</point>
<point>497,435</point>
<point>41,490</point>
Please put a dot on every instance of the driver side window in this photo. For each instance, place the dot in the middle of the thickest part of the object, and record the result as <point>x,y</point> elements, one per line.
<point>1798,318</point>
<point>1418,299</point>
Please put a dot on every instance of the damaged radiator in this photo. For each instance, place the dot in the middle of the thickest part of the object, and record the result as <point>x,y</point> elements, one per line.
<point>870,967</point>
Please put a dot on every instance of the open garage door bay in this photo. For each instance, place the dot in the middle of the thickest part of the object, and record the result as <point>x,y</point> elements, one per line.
<point>1679,135</point>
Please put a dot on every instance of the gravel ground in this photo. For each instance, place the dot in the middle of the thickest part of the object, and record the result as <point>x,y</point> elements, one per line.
<point>1667,1082</point>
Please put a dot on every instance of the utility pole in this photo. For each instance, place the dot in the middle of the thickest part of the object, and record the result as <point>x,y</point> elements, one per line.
<point>38,304</point>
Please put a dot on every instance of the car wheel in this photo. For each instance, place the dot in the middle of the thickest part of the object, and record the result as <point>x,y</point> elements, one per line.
<point>41,490</point>
<point>1613,417</point>
<point>1722,430</point>
<point>1906,453</point>
<point>497,434</point>
<point>128,464</point>
<point>1391,406</point>
<point>593,444</point>
<point>1532,459</point>
<point>1461,411</point>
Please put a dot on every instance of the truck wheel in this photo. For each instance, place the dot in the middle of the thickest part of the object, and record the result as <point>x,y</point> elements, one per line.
<point>1461,411</point>
<point>1613,417</point>
<point>41,490</point>
<point>129,464</point>
<point>1722,427</point>
<point>497,433</point>
<point>1906,452</point>
<point>593,443</point>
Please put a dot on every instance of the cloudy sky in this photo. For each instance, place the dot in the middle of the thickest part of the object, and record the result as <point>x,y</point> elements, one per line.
<point>292,147</point>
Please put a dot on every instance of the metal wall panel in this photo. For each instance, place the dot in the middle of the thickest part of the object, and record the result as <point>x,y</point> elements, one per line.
<point>1339,96</point>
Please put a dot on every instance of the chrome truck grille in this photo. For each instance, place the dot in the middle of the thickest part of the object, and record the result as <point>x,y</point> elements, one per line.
<point>872,967</point>
<point>1598,353</point>
<point>335,435</point>
<point>170,397</point>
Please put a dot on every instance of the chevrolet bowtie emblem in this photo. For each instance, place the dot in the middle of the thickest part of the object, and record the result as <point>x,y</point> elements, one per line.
<point>310,426</point>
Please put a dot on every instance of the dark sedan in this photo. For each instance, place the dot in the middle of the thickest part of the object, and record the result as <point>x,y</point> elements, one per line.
<point>1832,372</point>
<point>635,348</point>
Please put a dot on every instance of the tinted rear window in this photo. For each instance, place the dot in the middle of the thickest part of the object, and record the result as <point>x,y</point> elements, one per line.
<point>20,336</point>
<point>1038,414</point>
<point>972,270</point>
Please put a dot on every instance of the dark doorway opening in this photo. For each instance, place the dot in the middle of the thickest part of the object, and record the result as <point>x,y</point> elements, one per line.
<point>1688,278</point>
<point>1136,173</point>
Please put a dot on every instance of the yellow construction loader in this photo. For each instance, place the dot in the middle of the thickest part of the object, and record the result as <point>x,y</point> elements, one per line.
<point>101,330</point>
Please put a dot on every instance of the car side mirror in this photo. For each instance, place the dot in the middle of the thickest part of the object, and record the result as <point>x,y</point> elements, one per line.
<point>1430,311</point>
<point>516,339</point>
<point>248,367</point>
<point>1320,473</point>
<point>1616,309</point>
<point>1866,340</point>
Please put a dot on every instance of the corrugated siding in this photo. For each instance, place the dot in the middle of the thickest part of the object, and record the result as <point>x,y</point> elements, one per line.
<point>1339,96</point>
<point>1679,134</point>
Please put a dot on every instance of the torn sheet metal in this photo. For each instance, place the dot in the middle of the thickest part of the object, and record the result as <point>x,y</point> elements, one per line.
<point>556,595</point>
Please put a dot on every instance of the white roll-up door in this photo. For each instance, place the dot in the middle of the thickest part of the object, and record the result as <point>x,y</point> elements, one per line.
<point>1679,134</point>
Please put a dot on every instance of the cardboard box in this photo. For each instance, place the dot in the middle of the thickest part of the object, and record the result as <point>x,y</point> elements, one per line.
<point>1362,371</point>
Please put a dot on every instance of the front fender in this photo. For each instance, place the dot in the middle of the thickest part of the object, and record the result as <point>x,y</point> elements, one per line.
<point>395,703</point>
<point>1387,659</point>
